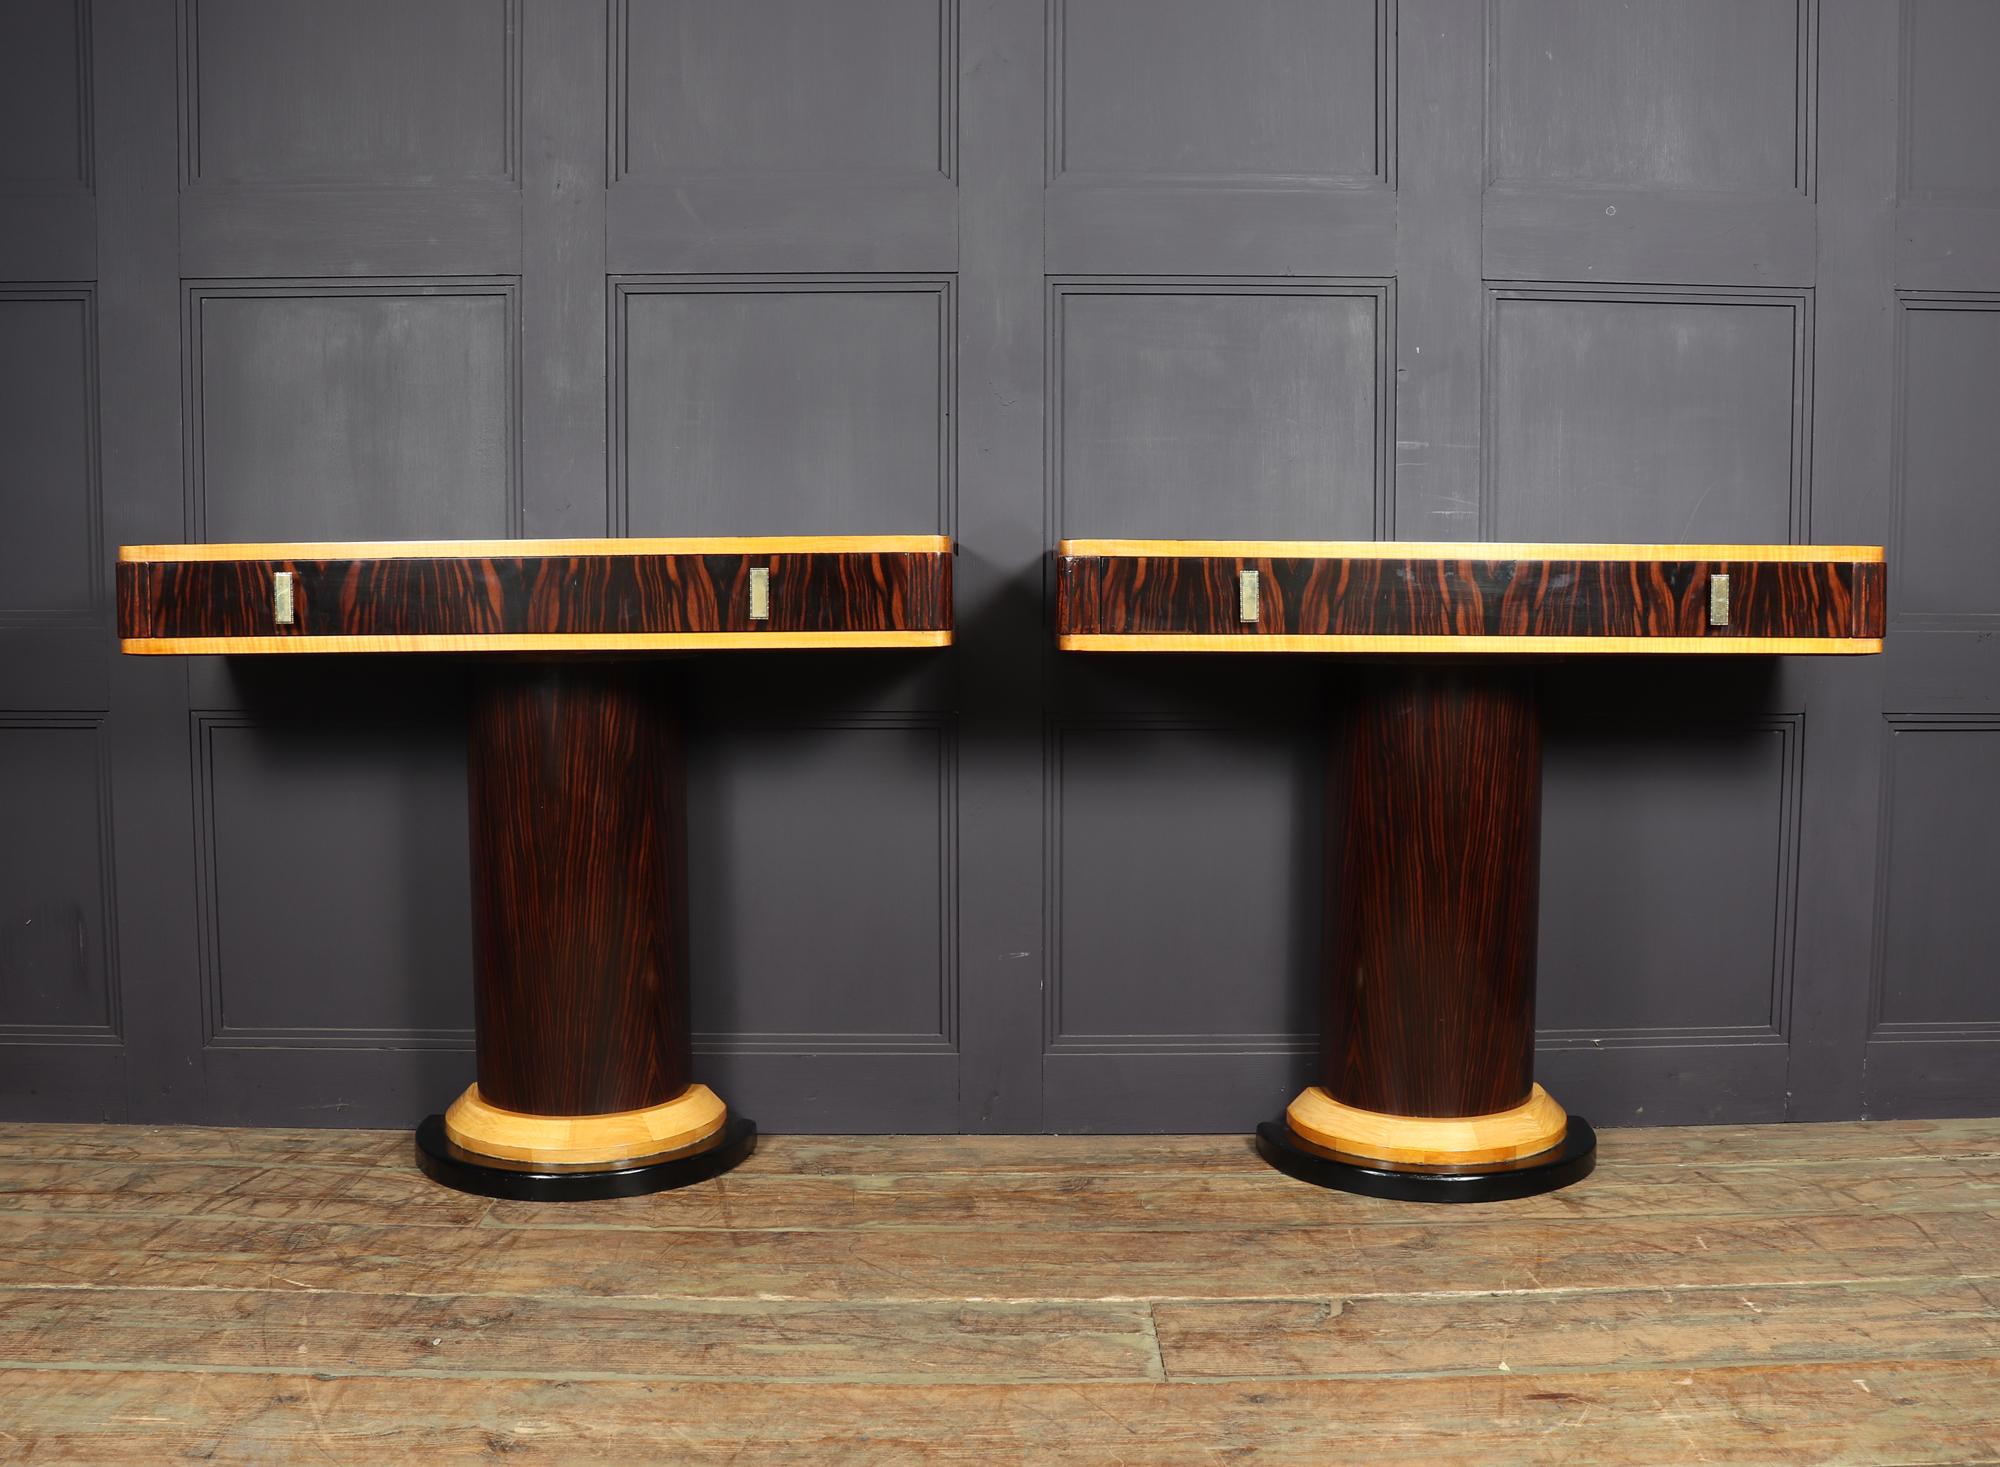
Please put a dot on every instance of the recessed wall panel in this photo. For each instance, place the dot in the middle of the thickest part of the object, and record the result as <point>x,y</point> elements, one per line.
<point>781,86</point>
<point>327,412</point>
<point>1186,864</point>
<point>44,111</point>
<point>1951,108</point>
<point>1948,444</point>
<point>778,408</point>
<point>819,885</point>
<point>335,876</point>
<point>1698,94</point>
<point>1667,863</point>
<point>55,868</point>
<point>1200,410</point>
<point>1222,89</point>
<point>363,91</point>
<point>48,479</point>
<point>1628,416</point>
<point>1940,934</point>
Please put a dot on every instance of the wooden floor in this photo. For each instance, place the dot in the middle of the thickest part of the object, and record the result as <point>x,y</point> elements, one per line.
<point>1773,1295</point>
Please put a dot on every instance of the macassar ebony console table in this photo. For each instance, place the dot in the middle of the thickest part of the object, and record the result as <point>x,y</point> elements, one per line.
<point>1426,1071</point>
<point>579,900</point>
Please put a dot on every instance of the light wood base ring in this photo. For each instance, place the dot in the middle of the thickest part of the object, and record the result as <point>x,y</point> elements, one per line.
<point>691,1116</point>
<point>1529,1128</point>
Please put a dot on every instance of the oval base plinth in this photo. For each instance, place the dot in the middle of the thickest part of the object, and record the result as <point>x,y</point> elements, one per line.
<point>444,1161</point>
<point>1570,1160</point>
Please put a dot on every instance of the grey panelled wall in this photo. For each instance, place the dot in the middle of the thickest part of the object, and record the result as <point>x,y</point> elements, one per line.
<point>1011,270</point>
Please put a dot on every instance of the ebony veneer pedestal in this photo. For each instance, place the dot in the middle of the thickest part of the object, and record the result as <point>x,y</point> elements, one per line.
<point>1426,1071</point>
<point>578,807</point>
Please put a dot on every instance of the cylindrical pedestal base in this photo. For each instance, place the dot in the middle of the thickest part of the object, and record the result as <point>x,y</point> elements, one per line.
<point>1426,1085</point>
<point>579,947</point>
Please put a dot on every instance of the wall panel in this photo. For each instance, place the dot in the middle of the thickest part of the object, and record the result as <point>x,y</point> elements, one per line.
<point>784,86</point>
<point>58,961</point>
<point>1669,854</point>
<point>367,91</point>
<point>1250,91</point>
<point>1700,94</point>
<point>1221,879</point>
<point>45,111</point>
<point>821,886</point>
<point>1934,1033</point>
<point>1648,415</point>
<point>334,877</point>
<point>50,560</point>
<point>1947,441</point>
<point>323,411</point>
<point>1938,926</point>
<point>782,406</point>
<point>1218,408</point>
<point>1950,107</point>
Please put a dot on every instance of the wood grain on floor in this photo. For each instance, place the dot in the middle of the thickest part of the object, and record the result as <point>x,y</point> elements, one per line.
<point>1804,1294</point>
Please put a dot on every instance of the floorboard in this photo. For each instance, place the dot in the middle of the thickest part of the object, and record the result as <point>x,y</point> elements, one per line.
<point>1801,1294</point>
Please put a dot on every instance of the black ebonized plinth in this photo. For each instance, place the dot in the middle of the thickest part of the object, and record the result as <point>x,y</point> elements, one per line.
<point>1495,1181</point>
<point>528,1181</point>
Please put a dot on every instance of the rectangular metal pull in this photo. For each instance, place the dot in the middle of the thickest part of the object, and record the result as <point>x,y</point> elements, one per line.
<point>1249,596</point>
<point>1718,599</point>
<point>282,611</point>
<point>760,593</point>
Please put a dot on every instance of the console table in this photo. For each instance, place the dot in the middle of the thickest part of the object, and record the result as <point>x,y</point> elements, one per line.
<point>579,901</point>
<point>1426,1071</point>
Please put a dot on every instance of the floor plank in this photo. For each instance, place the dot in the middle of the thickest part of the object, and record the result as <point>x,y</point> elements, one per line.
<point>651,1339</point>
<point>167,1189</point>
<point>1920,1319</point>
<point>1923,1412</point>
<point>1050,1263</point>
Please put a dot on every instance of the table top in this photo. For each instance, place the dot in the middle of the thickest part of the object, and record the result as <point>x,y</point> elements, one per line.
<point>1467,597</point>
<point>717,593</point>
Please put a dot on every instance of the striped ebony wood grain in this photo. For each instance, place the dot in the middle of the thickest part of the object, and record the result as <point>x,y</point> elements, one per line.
<point>579,933</point>
<point>1434,831</point>
<point>1374,596</point>
<point>499,595</point>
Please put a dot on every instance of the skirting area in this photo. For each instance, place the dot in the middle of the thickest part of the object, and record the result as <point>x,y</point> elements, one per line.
<point>1771,1294</point>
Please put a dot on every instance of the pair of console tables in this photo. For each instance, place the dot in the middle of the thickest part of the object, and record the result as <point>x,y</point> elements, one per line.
<point>584,1072</point>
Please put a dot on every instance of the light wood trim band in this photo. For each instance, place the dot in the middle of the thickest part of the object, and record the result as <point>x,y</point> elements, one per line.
<point>1456,550</point>
<point>1529,1128</point>
<point>624,1135</point>
<point>1444,645</point>
<point>544,642</point>
<point>529,549</point>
